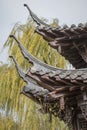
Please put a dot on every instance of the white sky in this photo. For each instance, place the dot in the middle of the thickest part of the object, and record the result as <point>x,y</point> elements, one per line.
<point>12,11</point>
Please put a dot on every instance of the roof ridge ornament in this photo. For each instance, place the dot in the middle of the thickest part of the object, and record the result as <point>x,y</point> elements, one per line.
<point>32,87</point>
<point>20,72</point>
<point>35,18</point>
<point>32,59</point>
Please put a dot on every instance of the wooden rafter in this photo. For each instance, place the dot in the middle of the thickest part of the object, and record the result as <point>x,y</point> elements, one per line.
<point>58,90</point>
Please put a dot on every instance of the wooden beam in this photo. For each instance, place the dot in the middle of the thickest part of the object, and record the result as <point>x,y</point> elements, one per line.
<point>65,91</point>
<point>41,83</point>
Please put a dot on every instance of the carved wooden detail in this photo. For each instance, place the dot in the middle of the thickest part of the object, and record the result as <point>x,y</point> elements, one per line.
<point>60,92</point>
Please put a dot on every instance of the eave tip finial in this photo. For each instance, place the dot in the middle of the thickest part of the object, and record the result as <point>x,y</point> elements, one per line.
<point>27,8</point>
<point>25,5</point>
<point>12,57</point>
<point>11,36</point>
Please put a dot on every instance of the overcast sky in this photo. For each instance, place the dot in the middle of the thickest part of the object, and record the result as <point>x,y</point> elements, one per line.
<point>12,11</point>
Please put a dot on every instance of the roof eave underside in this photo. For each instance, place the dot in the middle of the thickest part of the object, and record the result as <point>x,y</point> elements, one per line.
<point>50,78</point>
<point>70,42</point>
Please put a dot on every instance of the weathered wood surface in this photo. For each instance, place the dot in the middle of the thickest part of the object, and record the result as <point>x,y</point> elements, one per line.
<point>70,42</point>
<point>47,73</point>
<point>57,82</point>
<point>49,85</point>
<point>57,90</point>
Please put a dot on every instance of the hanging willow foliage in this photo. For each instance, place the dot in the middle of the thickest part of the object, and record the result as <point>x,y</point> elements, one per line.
<point>17,111</point>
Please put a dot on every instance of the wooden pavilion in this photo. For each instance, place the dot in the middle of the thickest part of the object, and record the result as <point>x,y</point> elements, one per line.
<point>60,92</point>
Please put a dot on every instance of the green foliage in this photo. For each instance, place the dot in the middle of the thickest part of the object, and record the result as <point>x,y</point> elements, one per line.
<point>20,113</point>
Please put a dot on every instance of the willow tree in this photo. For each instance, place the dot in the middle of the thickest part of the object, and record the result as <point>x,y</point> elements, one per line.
<point>17,111</point>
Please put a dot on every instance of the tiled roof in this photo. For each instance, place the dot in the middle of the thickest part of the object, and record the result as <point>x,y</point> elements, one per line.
<point>70,42</point>
<point>60,92</point>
